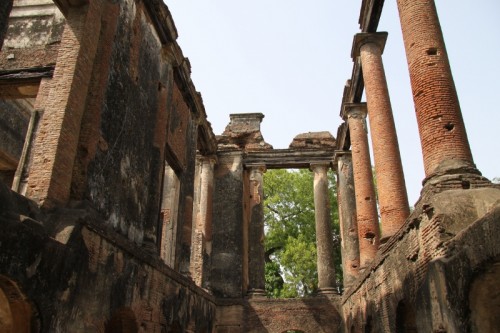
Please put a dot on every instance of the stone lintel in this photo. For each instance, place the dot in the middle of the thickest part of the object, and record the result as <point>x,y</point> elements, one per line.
<point>288,158</point>
<point>354,110</point>
<point>377,38</point>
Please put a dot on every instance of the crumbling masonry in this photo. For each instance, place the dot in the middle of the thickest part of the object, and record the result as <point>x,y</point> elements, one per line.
<point>121,211</point>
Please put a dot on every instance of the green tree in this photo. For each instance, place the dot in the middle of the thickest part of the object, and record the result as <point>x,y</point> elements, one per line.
<point>290,233</point>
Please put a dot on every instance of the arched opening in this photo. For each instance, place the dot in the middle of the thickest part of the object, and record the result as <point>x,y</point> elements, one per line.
<point>16,312</point>
<point>484,301</point>
<point>405,318</point>
<point>122,321</point>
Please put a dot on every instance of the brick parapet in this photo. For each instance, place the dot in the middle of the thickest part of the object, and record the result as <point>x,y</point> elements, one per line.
<point>391,187</point>
<point>366,203</point>
<point>440,228</point>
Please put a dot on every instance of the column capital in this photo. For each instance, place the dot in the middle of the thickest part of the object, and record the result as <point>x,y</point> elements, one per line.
<point>339,154</point>
<point>317,165</point>
<point>362,38</point>
<point>257,167</point>
<point>354,110</point>
<point>212,159</point>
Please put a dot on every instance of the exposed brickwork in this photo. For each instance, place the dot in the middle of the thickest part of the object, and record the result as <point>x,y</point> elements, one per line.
<point>243,132</point>
<point>391,188</point>
<point>437,232</point>
<point>56,142</point>
<point>366,202</point>
<point>313,140</point>
<point>91,139</point>
<point>318,315</point>
<point>442,132</point>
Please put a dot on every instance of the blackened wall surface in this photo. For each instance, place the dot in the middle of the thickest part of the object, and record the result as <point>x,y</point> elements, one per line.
<point>5,8</point>
<point>123,178</point>
<point>79,274</point>
<point>13,125</point>
<point>227,237</point>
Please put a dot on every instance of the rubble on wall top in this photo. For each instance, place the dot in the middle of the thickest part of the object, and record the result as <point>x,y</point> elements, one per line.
<point>243,132</point>
<point>313,140</point>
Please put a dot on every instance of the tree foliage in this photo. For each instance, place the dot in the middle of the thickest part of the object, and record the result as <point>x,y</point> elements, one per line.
<point>290,233</point>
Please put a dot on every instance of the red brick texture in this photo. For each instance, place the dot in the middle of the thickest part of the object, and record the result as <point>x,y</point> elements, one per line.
<point>57,139</point>
<point>392,196</point>
<point>368,228</point>
<point>442,131</point>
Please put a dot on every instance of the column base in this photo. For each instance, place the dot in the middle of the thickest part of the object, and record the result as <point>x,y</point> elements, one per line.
<point>256,293</point>
<point>328,291</point>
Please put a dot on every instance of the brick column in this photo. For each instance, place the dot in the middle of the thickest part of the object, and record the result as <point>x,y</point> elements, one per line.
<point>256,251</point>
<point>445,146</point>
<point>324,240</point>
<point>346,199</point>
<point>56,141</point>
<point>366,203</point>
<point>391,187</point>
<point>202,212</point>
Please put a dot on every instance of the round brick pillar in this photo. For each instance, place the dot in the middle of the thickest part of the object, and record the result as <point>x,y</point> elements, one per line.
<point>366,203</point>
<point>445,146</point>
<point>391,187</point>
<point>324,237</point>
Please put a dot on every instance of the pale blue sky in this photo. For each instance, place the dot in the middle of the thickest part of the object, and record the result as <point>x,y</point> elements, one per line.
<point>290,59</point>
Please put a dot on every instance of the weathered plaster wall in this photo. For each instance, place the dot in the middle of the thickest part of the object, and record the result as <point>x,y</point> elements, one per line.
<point>34,32</point>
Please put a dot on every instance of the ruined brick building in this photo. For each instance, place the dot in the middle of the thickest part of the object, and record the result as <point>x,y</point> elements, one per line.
<point>121,211</point>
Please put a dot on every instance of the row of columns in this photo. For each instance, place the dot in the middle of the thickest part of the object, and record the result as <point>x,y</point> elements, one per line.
<point>445,146</point>
<point>202,218</point>
<point>324,237</point>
